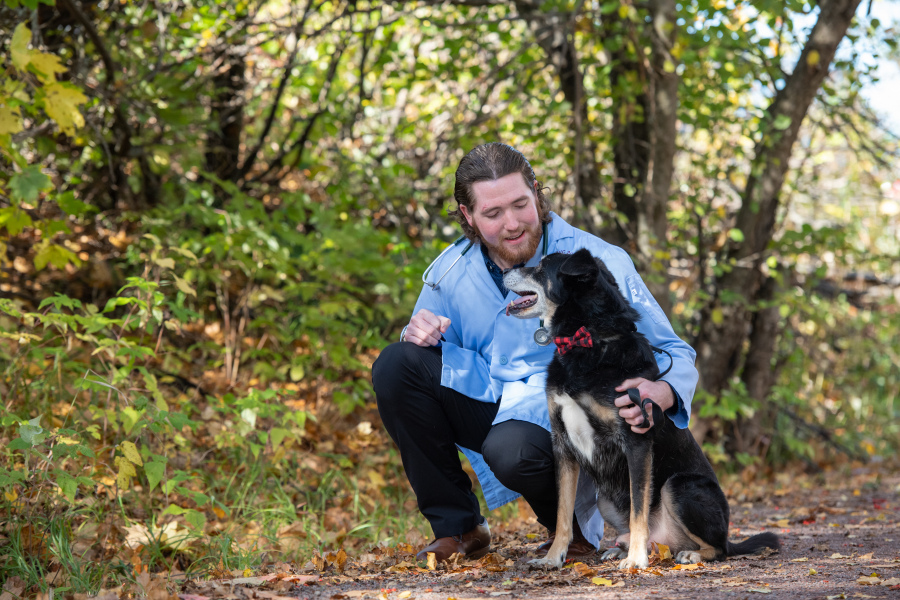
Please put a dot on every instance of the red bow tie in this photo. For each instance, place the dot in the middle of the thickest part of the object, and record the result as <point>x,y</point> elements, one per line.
<point>581,338</point>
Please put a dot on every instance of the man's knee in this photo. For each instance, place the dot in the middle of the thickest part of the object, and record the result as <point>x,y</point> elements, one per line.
<point>520,455</point>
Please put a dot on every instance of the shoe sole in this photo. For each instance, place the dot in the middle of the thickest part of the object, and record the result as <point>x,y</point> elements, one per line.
<point>478,553</point>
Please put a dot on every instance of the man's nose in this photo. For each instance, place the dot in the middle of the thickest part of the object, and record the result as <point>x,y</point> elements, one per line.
<point>510,221</point>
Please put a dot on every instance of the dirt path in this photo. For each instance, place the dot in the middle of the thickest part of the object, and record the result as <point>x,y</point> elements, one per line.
<point>839,532</point>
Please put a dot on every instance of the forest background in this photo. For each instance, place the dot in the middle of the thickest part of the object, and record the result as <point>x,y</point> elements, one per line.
<point>213,215</point>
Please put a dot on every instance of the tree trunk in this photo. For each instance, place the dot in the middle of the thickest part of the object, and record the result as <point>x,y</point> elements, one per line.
<point>758,374</point>
<point>725,326</point>
<point>227,118</point>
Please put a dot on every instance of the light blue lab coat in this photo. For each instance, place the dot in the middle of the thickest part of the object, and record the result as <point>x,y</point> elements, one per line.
<point>488,355</point>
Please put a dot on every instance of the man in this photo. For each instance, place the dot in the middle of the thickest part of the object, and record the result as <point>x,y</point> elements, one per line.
<point>467,376</point>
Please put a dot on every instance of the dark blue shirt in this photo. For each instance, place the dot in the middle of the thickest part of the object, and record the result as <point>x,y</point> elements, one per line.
<point>495,271</point>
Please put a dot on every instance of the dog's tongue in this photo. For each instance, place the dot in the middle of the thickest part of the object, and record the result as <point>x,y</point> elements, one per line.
<point>519,300</point>
<point>515,301</point>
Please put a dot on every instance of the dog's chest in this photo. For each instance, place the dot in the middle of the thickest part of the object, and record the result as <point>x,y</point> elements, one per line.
<point>581,419</point>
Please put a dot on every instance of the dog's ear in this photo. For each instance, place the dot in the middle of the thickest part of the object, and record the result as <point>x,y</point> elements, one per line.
<point>581,266</point>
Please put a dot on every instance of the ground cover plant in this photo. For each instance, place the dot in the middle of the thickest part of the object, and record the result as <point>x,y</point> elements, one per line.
<point>214,215</point>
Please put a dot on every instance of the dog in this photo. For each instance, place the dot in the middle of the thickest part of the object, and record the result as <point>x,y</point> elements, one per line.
<point>655,486</point>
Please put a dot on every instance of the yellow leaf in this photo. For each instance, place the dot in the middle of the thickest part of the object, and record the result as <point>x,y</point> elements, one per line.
<point>376,478</point>
<point>802,559</point>
<point>812,59</point>
<point>601,581</point>
<point>686,567</point>
<point>126,472</point>
<point>432,561</point>
<point>664,552</point>
<point>61,103</point>
<point>12,495</point>
<point>18,48</point>
<point>717,316</point>
<point>131,453</point>
<point>782,522</point>
<point>813,572</point>
<point>10,120</point>
<point>404,595</point>
<point>48,65</point>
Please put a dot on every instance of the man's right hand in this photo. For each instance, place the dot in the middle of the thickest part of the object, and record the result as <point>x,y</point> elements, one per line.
<point>425,328</point>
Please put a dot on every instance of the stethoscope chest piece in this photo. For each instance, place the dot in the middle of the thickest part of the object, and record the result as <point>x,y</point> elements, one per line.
<point>541,336</point>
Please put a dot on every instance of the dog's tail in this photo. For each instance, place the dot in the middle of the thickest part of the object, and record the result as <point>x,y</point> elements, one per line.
<point>754,545</point>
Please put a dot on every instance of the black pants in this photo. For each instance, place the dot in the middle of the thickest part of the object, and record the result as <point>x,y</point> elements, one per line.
<point>426,421</point>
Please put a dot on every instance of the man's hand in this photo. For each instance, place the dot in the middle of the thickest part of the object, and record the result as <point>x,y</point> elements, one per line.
<point>425,328</point>
<point>658,391</point>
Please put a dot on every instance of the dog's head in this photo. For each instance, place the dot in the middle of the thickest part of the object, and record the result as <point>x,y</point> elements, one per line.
<point>579,282</point>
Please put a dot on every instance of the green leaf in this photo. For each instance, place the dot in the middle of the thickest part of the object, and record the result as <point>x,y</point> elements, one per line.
<point>19,444</point>
<point>155,472</point>
<point>54,254</point>
<point>28,185</point>
<point>277,435</point>
<point>14,219</point>
<point>72,205</point>
<point>782,122</point>
<point>736,234</point>
<point>195,519</point>
<point>67,484</point>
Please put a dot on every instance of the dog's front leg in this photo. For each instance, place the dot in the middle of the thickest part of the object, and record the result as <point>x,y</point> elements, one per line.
<point>640,473</point>
<point>567,484</point>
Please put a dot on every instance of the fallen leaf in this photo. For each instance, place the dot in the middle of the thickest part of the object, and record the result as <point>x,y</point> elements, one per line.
<point>432,561</point>
<point>866,556</point>
<point>685,567</point>
<point>813,572</point>
<point>250,580</point>
<point>891,582</point>
<point>602,581</point>
<point>760,590</point>
<point>664,552</point>
<point>802,559</point>
<point>583,570</point>
<point>869,580</point>
<point>13,588</point>
<point>404,595</point>
<point>838,555</point>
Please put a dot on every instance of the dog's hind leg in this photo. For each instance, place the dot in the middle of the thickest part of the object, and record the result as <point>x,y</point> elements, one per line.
<point>696,505</point>
<point>640,469</point>
<point>567,484</point>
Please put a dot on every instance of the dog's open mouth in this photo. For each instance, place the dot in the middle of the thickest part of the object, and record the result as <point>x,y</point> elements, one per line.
<point>525,300</point>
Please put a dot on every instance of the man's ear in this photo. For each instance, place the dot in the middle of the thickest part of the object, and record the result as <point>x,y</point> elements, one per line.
<point>581,266</point>
<point>465,211</point>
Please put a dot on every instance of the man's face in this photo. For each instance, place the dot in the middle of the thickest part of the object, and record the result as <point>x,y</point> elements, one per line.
<point>505,216</point>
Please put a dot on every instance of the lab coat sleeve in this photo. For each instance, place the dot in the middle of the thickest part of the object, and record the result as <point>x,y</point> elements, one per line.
<point>654,324</point>
<point>464,369</point>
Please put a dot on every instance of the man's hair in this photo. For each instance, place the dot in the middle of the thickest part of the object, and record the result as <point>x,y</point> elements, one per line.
<point>489,162</point>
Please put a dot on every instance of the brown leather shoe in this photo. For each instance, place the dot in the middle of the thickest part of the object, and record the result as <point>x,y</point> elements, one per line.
<point>473,544</point>
<point>578,547</point>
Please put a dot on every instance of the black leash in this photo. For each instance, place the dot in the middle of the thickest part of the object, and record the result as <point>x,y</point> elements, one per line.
<point>635,396</point>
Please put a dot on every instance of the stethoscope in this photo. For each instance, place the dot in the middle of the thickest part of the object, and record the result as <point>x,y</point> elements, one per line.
<point>541,335</point>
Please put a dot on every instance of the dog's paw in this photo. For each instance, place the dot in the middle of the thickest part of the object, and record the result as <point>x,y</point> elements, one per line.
<point>547,562</point>
<point>635,562</point>
<point>613,554</point>
<point>688,557</point>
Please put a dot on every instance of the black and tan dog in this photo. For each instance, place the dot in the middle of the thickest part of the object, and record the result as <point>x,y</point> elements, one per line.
<point>655,486</point>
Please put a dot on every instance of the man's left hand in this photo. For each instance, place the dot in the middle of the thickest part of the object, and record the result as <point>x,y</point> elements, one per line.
<point>658,391</point>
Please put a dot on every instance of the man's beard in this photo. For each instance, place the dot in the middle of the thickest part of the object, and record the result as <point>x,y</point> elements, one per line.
<point>514,256</point>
